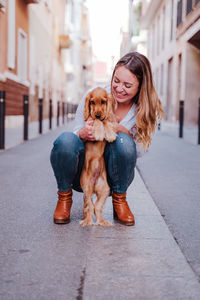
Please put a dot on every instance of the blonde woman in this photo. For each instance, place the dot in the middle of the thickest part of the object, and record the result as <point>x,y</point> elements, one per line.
<point>138,112</point>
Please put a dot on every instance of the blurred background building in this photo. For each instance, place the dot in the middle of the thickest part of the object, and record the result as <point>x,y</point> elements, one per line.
<point>78,62</point>
<point>47,54</point>
<point>169,33</point>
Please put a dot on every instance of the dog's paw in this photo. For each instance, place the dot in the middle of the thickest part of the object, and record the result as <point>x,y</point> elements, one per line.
<point>111,137</point>
<point>86,222</point>
<point>99,135</point>
<point>98,130</point>
<point>103,223</point>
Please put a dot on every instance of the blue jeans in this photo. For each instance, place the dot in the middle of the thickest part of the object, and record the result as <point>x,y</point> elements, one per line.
<point>68,154</point>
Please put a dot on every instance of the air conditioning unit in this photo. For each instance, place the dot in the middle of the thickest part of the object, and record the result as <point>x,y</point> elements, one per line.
<point>2,3</point>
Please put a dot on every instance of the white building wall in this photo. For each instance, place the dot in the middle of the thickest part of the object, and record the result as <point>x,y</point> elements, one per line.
<point>188,87</point>
<point>46,69</point>
<point>161,48</point>
<point>73,66</point>
<point>175,61</point>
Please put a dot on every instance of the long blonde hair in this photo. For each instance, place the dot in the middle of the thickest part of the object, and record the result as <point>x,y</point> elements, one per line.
<point>149,111</point>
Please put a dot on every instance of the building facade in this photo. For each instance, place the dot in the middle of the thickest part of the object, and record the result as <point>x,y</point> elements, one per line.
<point>45,55</point>
<point>188,57</point>
<point>31,62</point>
<point>78,65</point>
<point>173,49</point>
<point>137,36</point>
<point>14,60</point>
<point>48,43</point>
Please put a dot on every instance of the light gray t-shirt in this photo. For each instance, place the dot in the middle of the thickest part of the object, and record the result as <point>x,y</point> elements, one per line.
<point>128,121</point>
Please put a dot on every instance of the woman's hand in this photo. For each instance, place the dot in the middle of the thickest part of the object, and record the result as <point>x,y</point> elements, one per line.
<point>85,134</point>
<point>121,128</point>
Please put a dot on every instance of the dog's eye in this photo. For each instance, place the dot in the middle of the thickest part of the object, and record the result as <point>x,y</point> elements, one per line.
<point>92,102</point>
<point>103,101</point>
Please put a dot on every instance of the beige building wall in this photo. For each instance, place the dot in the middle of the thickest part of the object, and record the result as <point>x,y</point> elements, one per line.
<point>21,24</point>
<point>159,19</point>
<point>50,46</point>
<point>46,24</point>
<point>138,37</point>
<point>3,39</point>
<point>86,51</point>
<point>14,59</point>
<point>79,57</point>
<point>174,53</point>
<point>192,83</point>
<point>188,67</point>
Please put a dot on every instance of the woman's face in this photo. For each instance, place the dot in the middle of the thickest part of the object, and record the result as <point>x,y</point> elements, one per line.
<point>124,85</point>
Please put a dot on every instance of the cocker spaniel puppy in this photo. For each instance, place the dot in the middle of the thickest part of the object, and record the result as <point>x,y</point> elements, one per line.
<point>99,106</point>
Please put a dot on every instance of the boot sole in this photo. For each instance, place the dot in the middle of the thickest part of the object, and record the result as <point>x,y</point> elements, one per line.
<point>57,221</point>
<point>122,222</point>
<point>126,223</point>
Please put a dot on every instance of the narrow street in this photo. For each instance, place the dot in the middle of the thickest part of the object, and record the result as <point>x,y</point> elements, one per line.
<point>174,185</point>
<point>42,260</point>
<point>51,54</point>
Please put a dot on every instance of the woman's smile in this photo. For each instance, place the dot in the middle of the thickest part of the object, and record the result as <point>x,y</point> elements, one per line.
<point>119,95</point>
<point>124,85</point>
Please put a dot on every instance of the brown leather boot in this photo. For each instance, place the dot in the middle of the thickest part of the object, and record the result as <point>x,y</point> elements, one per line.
<point>62,211</point>
<point>121,209</point>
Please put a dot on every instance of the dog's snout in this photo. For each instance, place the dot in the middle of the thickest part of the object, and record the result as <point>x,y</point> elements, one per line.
<point>98,116</point>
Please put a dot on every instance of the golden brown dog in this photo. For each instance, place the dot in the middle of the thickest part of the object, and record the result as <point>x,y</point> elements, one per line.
<point>99,106</point>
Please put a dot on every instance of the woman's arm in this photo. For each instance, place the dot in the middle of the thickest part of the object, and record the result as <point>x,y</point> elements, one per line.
<point>121,128</point>
<point>85,133</point>
<point>139,149</point>
<point>83,129</point>
<point>79,120</point>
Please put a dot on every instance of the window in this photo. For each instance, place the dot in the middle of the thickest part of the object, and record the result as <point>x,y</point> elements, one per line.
<point>153,41</point>
<point>48,4</point>
<point>161,78</point>
<point>150,43</point>
<point>189,7</point>
<point>22,55</point>
<point>157,79</point>
<point>170,79</point>
<point>11,34</point>
<point>163,28</point>
<point>72,11</point>
<point>158,35</point>
<point>179,76</point>
<point>172,20</point>
<point>179,12</point>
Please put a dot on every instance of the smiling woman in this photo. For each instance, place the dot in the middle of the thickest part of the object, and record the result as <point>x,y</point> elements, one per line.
<point>138,111</point>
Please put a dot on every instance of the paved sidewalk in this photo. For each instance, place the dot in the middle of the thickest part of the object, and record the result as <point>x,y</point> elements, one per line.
<point>15,136</point>
<point>144,262</point>
<point>42,260</point>
<point>190,133</point>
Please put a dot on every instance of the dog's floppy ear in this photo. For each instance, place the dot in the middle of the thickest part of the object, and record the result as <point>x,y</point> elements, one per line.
<point>111,106</point>
<point>87,107</point>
